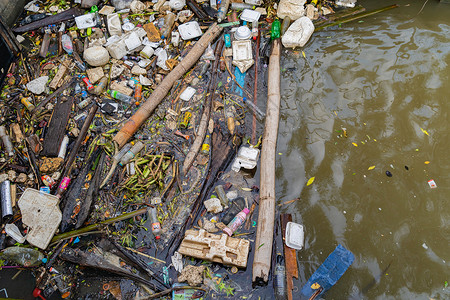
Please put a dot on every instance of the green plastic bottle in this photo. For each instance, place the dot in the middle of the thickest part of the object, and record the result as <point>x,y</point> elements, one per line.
<point>276,30</point>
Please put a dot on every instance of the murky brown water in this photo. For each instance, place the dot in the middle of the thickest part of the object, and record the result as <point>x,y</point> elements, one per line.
<point>383,80</point>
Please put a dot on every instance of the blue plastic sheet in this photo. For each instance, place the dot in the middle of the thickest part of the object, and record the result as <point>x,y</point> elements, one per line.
<point>329,271</point>
<point>240,78</point>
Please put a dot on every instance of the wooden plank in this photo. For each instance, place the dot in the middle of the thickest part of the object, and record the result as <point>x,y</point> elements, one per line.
<point>290,257</point>
<point>57,80</point>
<point>57,127</point>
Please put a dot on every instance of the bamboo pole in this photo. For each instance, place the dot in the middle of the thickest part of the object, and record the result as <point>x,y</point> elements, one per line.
<point>266,216</point>
<point>146,109</point>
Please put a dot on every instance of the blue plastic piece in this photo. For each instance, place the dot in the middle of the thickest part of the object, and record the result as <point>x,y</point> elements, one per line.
<point>240,79</point>
<point>329,271</point>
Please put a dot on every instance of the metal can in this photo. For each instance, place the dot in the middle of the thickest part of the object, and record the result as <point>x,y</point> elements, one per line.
<point>6,201</point>
<point>27,103</point>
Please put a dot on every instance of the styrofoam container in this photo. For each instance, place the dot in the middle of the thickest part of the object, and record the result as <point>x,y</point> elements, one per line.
<point>242,50</point>
<point>187,94</point>
<point>250,15</point>
<point>132,41</point>
<point>190,30</point>
<point>295,236</point>
<point>85,21</point>
<point>247,158</point>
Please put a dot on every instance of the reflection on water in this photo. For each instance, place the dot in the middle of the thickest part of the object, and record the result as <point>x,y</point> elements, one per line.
<point>385,82</point>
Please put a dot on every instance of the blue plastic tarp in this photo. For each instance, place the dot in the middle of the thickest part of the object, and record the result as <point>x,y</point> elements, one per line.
<point>329,271</point>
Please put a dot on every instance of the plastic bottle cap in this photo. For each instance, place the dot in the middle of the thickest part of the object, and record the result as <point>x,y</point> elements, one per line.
<point>246,211</point>
<point>157,237</point>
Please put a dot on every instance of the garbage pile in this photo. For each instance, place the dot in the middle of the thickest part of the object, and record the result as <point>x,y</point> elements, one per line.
<point>130,141</point>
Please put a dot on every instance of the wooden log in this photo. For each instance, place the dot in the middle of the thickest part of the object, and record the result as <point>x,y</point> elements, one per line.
<point>266,216</point>
<point>147,108</point>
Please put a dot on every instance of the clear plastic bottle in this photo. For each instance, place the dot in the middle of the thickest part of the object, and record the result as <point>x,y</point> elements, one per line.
<point>131,153</point>
<point>23,256</point>
<point>121,97</point>
<point>279,282</point>
<point>222,196</point>
<point>169,20</point>
<point>122,152</point>
<point>260,115</point>
<point>156,225</point>
<point>237,221</point>
<point>100,87</point>
<point>6,141</point>
<point>223,9</point>
<point>240,6</point>
<point>66,42</point>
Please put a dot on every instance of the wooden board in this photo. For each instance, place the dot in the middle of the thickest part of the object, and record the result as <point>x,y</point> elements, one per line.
<point>57,127</point>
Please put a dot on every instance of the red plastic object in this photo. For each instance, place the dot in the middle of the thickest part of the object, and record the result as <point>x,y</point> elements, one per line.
<point>38,293</point>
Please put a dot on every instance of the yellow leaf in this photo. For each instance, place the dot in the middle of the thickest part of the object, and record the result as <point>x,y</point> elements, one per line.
<point>371,168</point>
<point>303,53</point>
<point>246,189</point>
<point>427,162</point>
<point>310,181</point>
<point>355,144</point>
<point>424,131</point>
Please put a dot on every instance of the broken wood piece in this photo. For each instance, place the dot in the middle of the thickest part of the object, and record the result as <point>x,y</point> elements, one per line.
<point>57,127</point>
<point>55,19</point>
<point>58,79</point>
<point>290,257</point>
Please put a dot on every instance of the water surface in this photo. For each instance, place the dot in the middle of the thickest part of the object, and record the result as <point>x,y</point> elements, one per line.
<point>371,97</point>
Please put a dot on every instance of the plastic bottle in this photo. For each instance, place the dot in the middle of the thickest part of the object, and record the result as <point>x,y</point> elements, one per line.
<point>275,31</point>
<point>255,110</point>
<point>223,9</point>
<point>67,43</point>
<point>240,6</point>
<point>222,196</point>
<point>156,225</point>
<point>88,83</point>
<point>169,19</point>
<point>237,221</point>
<point>206,144</point>
<point>121,97</point>
<point>285,25</point>
<point>63,147</point>
<point>131,153</point>
<point>23,256</point>
<point>279,281</point>
<point>6,141</point>
<point>255,29</point>
<point>227,39</point>
<point>80,66</point>
<point>138,92</point>
<point>122,152</point>
<point>100,87</point>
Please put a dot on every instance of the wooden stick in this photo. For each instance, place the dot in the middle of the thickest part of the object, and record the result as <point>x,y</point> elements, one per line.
<point>147,108</point>
<point>203,126</point>
<point>266,216</point>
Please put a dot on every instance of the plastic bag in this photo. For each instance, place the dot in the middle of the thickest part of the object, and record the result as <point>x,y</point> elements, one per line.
<point>208,54</point>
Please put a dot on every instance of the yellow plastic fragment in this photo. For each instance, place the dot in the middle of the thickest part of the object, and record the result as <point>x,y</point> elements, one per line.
<point>355,144</point>
<point>371,168</point>
<point>424,131</point>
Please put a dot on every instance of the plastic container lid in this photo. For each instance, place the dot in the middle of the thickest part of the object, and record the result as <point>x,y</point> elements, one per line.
<point>295,235</point>
<point>242,33</point>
